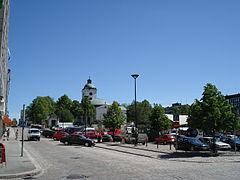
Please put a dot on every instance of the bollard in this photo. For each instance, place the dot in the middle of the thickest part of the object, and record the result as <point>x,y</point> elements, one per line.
<point>2,154</point>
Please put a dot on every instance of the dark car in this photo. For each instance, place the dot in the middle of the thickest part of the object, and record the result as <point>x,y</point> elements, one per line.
<point>107,138</point>
<point>190,144</point>
<point>47,133</point>
<point>77,139</point>
<point>233,142</point>
<point>117,138</point>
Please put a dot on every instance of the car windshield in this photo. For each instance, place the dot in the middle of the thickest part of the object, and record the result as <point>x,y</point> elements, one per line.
<point>193,140</point>
<point>82,137</point>
<point>34,131</point>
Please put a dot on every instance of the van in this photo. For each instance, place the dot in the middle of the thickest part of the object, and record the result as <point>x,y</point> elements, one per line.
<point>33,134</point>
<point>131,138</point>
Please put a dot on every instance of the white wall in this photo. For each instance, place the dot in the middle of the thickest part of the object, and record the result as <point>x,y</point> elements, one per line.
<point>182,118</point>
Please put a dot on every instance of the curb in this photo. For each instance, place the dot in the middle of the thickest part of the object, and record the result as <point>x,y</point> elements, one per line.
<point>31,173</point>
<point>20,175</point>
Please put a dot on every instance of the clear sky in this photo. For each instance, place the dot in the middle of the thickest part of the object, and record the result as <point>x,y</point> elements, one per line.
<point>176,47</point>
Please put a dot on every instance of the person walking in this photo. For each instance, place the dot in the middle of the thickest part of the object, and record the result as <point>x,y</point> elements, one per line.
<point>8,133</point>
<point>16,134</point>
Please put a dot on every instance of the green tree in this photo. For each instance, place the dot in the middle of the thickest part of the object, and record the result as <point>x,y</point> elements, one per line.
<point>63,105</point>
<point>88,110</point>
<point>212,113</point>
<point>77,111</point>
<point>159,121</point>
<point>143,113</point>
<point>65,116</point>
<point>114,117</point>
<point>40,109</point>
<point>64,102</point>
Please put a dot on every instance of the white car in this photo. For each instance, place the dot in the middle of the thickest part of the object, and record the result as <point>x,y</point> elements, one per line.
<point>219,144</point>
<point>34,134</point>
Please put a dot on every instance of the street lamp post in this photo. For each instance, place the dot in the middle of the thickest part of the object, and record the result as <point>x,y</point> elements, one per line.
<point>135,104</point>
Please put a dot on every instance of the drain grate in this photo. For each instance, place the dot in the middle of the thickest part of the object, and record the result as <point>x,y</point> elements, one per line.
<point>29,177</point>
<point>76,176</point>
<point>26,161</point>
<point>75,158</point>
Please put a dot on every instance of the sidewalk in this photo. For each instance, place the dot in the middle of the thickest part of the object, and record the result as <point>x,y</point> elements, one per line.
<point>17,166</point>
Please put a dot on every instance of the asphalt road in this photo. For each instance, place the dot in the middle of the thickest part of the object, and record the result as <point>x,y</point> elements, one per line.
<point>78,162</point>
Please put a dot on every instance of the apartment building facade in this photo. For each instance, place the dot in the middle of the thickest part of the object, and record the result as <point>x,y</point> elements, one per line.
<point>4,58</point>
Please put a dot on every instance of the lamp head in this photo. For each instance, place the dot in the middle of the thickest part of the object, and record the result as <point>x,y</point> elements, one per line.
<point>135,76</point>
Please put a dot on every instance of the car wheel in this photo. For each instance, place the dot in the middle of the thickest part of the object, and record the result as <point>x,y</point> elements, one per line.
<point>87,144</point>
<point>164,142</point>
<point>192,148</point>
<point>143,143</point>
<point>65,143</point>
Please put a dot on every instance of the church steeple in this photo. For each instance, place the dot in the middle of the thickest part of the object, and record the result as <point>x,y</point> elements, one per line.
<point>89,90</point>
<point>89,81</point>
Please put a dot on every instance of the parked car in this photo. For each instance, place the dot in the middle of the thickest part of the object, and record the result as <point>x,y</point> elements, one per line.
<point>165,138</point>
<point>219,144</point>
<point>117,138</point>
<point>131,138</point>
<point>107,138</point>
<point>33,134</point>
<point>59,134</point>
<point>77,139</point>
<point>91,134</point>
<point>47,133</point>
<point>232,141</point>
<point>77,133</point>
<point>116,132</point>
<point>71,130</point>
<point>190,144</point>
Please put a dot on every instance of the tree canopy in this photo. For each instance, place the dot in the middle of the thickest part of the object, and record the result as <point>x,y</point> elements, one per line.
<point>114,117</point>
<point>40,109</point>
<point>88,109</point>
<point>63,107</point>
<point>159,121</point>
<point>143,112</point>
<point>212,112</point>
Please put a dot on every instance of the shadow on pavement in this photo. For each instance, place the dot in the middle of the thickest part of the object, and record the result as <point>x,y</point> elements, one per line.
<point>187,155</point>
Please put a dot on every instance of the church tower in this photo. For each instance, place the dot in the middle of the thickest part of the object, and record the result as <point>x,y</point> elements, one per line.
<point>89,90</point>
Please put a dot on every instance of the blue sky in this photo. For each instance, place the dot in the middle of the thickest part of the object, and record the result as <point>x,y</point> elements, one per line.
<point>175,46</point>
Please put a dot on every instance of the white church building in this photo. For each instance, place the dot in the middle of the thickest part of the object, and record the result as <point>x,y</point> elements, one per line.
<point>101,105</point>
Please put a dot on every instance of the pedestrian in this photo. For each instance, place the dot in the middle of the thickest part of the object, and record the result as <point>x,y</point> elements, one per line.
<point>16,133</point>
<point>8,133</point>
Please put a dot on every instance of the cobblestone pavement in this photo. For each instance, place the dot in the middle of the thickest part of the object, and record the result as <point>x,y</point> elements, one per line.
<point>169,153</point>
<point>78,162</point>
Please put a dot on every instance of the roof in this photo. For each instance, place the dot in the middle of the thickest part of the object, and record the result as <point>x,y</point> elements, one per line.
<point>89,85</point>
<point>98,102</point>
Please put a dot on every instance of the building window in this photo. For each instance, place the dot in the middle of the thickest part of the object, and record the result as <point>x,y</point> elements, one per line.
<point>90,93</point>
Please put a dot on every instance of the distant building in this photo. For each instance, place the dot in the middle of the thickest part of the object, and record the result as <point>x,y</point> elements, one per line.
<point>182,119</point>
<point>4,57</point>
<point>235,101</point>
<point>101,105</point>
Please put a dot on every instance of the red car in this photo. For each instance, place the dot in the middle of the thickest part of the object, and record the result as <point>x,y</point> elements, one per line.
<point>78,133</point>
<point>117,132</point>
<point>89,134</point>
<point>166,138</point>
<point>59,134</point>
